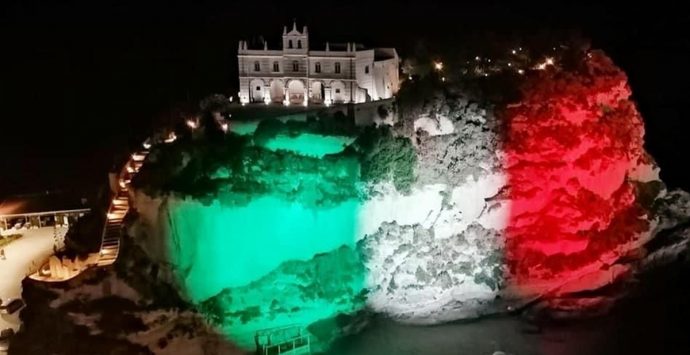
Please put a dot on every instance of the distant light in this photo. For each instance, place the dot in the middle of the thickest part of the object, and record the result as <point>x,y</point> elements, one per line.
<point>477,58</point>
<point>224,126</point>
<point>443,78</point>
<point>513,51</point>
<point>409,77</point>
<point>171,138</point>
<point>486,74</point>
<point>438,65</point>
<point>520,49</point>
<point>549,61</point>
<point>286,102</point>
<point>489,60</point>
<point>192,124</point>
<point>146,144</point>
<point>267,100</point>
<point>541,66</point>
<point>327,103</point>
<point>510,64</point>
<point>520,71</point>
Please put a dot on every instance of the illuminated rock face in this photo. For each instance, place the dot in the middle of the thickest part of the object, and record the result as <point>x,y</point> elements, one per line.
<point>573,157</point>
<point>539,199</point>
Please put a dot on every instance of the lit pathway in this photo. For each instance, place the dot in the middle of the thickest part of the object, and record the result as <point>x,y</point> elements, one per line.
<point>24,256</point>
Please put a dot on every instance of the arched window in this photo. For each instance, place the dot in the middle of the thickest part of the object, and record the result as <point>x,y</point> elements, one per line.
<point>290,44</point>
<point>295,66</point>
<point>276,68</point>
<point>257,66</point>
<point>299,43</point>
<point>337,67</point>
<point>317,67</point>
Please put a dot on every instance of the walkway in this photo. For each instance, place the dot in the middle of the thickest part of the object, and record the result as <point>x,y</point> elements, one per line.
<point>23,257</point>
<point>59,270</point>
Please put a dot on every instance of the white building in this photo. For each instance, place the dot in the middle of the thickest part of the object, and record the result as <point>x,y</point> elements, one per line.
<point>297,75</point>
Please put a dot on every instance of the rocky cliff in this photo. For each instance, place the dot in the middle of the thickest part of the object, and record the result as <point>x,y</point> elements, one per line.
<point>463,207</point>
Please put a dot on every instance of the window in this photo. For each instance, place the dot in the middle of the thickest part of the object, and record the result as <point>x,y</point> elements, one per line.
<point>258,88</point>
<point>317,67</point>
<point>337,91</point>
<point>276,67</point>
<point>295,66</point>
<point>366,69</point>
<point>337,68</point>
<point>299,43</point>
<point>290,44</point>
<point>257,66</point>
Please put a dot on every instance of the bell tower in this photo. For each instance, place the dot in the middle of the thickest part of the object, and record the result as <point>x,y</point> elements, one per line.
<point>295,41</point>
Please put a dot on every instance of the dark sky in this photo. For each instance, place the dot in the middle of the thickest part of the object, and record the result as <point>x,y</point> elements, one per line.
<point>77,77</point>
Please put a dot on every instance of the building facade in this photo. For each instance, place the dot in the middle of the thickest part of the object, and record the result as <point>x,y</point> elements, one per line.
<point>298,75</point>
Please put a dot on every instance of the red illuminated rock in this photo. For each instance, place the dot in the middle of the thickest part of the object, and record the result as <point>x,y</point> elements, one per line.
<point>573,149</point>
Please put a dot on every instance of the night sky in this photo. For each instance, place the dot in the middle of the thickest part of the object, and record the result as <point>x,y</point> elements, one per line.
<point>80,80</point>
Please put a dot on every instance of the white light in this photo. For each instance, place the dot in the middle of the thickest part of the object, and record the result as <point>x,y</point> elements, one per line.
<point>130,169</point>
<point>486,74</point>
<point>549,61</point>
<point>267,100</point>
<point>541,66</point>
<point>304,103</point>
<point>520,49</point>
<point>409,77</point>
<point>224,127</point>
<point>438,65</point>
<point>513,51</point>
<point>488,60</point>
<point>520,71</point>
<point>243,103</point>
<point>477,58</point>
<point>510,64</point>
<point>286,102</point>
<point>327,103</point>
<point>443,78</point>
<point>192,124</point>
<point>171,138</point>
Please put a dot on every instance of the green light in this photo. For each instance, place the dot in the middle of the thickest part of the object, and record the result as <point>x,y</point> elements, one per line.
<point>287,256</point>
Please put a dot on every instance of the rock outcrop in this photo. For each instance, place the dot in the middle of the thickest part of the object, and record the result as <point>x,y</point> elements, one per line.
<point>462,208</point>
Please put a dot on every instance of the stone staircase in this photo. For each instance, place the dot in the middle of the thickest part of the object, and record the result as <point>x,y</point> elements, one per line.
<point>119,206</point>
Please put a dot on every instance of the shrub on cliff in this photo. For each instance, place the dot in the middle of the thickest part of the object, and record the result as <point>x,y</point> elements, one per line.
<point>385,156</point>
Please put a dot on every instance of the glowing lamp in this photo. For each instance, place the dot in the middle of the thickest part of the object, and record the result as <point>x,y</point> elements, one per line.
<point>192,124</point>
<point>438,65</point>
<point>224,127</point>
<point>171,138</point>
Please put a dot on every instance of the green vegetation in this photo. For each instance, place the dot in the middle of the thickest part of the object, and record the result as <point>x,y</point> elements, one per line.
<point>385,156</point>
